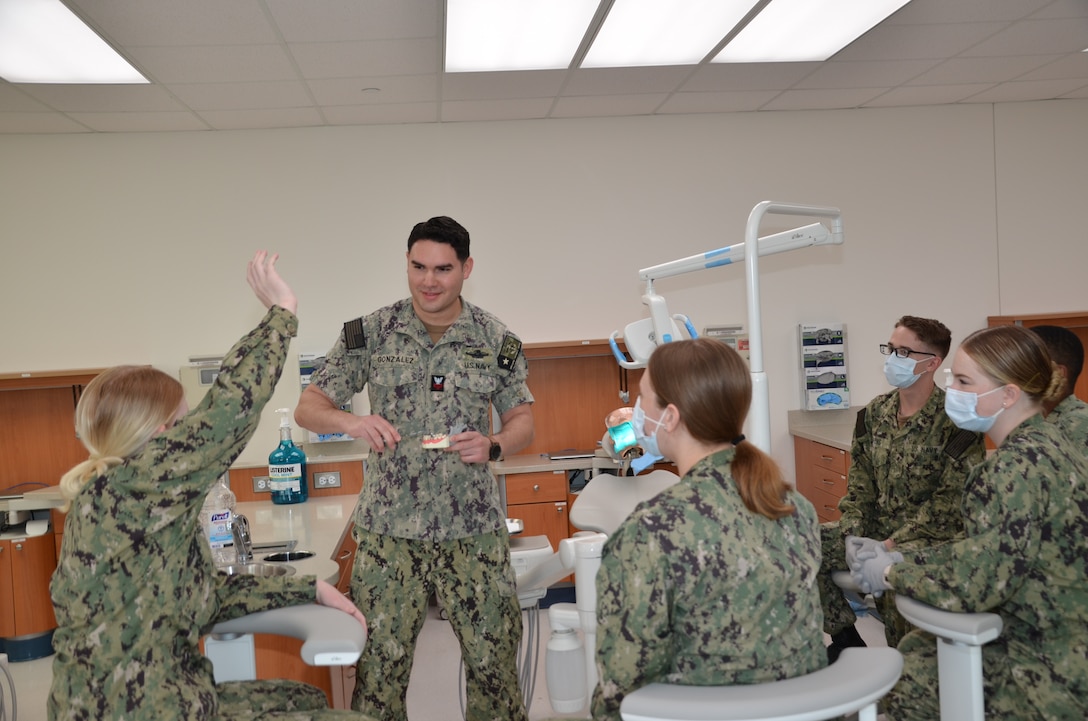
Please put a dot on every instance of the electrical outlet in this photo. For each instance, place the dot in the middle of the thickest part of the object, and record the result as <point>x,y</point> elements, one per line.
<point>262,484</point>
<point>327,479</point>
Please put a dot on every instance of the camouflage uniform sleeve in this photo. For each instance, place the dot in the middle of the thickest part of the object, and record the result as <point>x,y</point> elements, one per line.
<point>243,594</point>
<point>859,506</point>
<point>984,569</point>
<point>514,390</point>
<point>634,635</point>
<point>346,370</point>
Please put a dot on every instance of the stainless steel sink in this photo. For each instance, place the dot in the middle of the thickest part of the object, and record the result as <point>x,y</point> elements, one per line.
<point>257,569</point>
<point>287,556</point>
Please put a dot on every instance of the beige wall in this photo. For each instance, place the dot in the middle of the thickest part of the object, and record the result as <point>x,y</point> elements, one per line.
<point>131,247</point>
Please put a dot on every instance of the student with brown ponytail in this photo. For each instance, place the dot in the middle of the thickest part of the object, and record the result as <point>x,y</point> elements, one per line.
<point>713,581</point>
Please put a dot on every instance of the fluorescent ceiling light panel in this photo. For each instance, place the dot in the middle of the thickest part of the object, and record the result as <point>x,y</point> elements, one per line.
<point>42,41</point>
<point>805,30</point>
<point>487,35</point>
<point>653,32</point>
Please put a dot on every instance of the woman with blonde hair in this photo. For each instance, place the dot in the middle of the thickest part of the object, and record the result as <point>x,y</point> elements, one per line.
<point>135,587</point>
<point>1025,555</point>
<point>713,581</point>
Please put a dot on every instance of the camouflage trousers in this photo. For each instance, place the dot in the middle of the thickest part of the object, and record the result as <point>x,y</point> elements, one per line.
<point>277,700</point>
<point>392,582</point>
<point>838,615</point>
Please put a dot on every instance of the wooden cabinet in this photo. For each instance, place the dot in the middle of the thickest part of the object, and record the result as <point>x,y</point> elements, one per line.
<point>540,501</point>
<point>26,565</point>
<point>821,475</point>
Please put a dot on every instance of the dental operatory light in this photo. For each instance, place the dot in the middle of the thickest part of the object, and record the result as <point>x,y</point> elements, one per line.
<point>503,35</point>
<point>642,336</point>
<point>42,41</point>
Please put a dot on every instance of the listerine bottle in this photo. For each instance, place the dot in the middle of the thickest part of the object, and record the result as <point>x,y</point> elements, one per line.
<point>287,467</point>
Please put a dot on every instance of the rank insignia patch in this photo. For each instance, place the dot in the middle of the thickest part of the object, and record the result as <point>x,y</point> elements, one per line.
<point>511,349</point>
<point>438,383</point>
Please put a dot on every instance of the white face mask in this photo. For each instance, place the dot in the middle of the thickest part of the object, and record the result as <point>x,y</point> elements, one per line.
<point>638,422</point>
<point>962,409</point>
<point>900,371</point>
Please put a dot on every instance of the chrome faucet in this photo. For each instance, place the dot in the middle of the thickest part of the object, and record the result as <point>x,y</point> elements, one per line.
<point>243,544</point>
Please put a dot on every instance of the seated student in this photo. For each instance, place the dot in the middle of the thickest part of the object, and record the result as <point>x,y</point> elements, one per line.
<point>135,586</point>
<point>1025,556</point>
<point>714,580</point>
<point>1066,411</point>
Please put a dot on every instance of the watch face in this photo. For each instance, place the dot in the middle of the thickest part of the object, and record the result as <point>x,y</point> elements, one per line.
<point>496,451</point>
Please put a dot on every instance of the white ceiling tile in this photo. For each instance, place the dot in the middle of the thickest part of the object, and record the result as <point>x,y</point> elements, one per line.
<point>705,102</point>
<point>615,81</point>
<point>524,109</point>
<point>39,123</point>
<point>243,96</point>
<point>917,42</point>
<point>335,20</point>
<point>494,86</point>
<point>220,63</point>
<point>390,114</point>
<point>352,91</point>
<point>980,70</point>
<point>865,75</point>
<point>592,106</point>
<point>728,77</point>
<point>926,95</point>
<point>1067,66</point>
<point>958,11</point>
<point>14,98</point>
<point>1035,37</point>
<point>822,99</point>
<point>366,58</point>
<point>190,22</point>
<point>276,118</point>
<point>139,122</point>
<point>1020,92</point>
<point>104,98</point>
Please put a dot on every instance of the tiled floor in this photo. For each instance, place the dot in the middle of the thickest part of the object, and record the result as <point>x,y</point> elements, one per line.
<point>432,693</point>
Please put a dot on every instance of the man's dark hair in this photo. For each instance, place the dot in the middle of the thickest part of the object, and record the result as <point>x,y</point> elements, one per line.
<point>1064,347</point>
<point>933,333</point>
<point>442,229</point>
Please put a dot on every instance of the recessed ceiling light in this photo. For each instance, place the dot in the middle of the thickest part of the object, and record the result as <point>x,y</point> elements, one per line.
<point>651,32</point>
<point>484,35</point>
<point>42,41</point>
<point>804,30</point>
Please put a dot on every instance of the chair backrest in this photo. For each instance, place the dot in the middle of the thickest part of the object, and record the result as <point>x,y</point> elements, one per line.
<point>607,500</point>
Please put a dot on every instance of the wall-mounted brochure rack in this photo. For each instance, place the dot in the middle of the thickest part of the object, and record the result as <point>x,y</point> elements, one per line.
<point>824,382</point>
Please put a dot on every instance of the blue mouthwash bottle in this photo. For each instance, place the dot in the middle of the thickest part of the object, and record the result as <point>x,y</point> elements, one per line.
<point>287,467</point>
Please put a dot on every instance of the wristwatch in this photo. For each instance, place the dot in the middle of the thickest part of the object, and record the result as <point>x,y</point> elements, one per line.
<point>496,451</point>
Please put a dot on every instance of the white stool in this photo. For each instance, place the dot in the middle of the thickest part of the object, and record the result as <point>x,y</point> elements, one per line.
<point>855,682</point>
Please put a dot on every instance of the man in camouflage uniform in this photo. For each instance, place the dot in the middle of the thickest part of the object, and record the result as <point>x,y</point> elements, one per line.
<point>1067,412</point>
<point>430,519</point>
<point>908,465</point>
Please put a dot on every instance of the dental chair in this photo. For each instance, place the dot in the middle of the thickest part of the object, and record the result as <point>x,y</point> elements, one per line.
<point>960,638</point>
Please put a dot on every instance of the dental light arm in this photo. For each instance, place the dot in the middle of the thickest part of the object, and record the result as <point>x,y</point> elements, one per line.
<point>642,336</point>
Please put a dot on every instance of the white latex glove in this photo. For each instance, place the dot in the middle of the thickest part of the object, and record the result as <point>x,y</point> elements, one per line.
<point>869,573</point>
<point>859,548</point>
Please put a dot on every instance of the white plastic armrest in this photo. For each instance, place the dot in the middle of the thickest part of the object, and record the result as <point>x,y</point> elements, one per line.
<point>330,637</point>
<point>972,629</point>
<point>857,679</point>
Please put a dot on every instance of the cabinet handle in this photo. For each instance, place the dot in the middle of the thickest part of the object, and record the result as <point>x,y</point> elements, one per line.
<point>827,482</point>
<point>536,487</point>
<point>826,458</point>
<point>560,507</point>
<point>344,556</point>
<point>18,546</point>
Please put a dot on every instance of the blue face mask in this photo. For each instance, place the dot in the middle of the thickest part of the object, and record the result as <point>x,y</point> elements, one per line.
<point>900,371</point>
<point>962,409</point>
<point>638,422</point>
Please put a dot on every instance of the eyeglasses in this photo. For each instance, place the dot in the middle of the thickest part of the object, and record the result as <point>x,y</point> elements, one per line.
<point>888,349</point>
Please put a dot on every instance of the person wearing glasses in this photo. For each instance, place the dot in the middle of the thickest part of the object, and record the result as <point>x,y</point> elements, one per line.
<point>908,466</point>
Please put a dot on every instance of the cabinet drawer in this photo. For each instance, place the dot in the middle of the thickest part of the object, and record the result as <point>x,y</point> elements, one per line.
<point>536,487</point>
<point>829,482</point>
<point>830,458</point>
<point>826,504</point>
